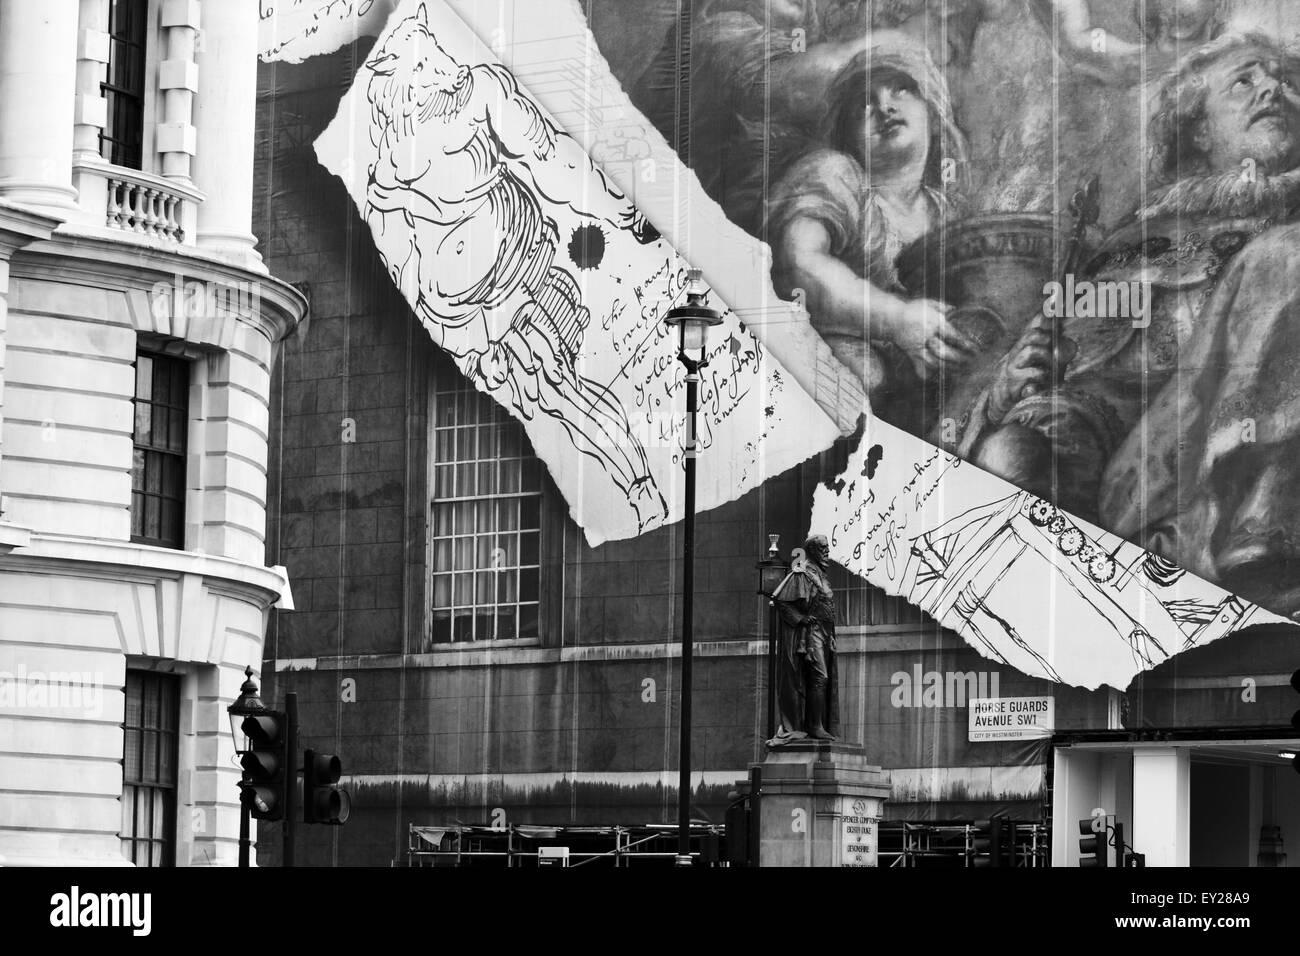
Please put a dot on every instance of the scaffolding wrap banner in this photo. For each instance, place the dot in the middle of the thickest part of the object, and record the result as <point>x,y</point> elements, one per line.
<point>547,285</point>
<point>1001,320</point>
<point>556,258</point>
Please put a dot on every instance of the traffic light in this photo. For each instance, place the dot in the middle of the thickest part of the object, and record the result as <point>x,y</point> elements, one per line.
<point>264,763</point>
<point>1092,842</point>
<point>1295,719</point>
<point>322,800</point>
<point>987,847</point>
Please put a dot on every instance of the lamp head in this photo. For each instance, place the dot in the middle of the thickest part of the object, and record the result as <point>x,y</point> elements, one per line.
<point>693,319</point>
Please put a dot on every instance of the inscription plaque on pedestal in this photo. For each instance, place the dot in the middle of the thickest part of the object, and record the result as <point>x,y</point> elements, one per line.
<point>858,832</point>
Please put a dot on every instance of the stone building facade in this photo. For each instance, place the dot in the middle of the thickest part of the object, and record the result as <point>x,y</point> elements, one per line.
<point>138,329</point>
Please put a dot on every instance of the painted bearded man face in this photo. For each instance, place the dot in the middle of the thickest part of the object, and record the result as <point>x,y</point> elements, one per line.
<point>1252,112</point>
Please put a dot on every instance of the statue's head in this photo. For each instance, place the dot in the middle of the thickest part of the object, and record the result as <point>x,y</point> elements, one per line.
<point>1227,106</point>
<point>818,549</point>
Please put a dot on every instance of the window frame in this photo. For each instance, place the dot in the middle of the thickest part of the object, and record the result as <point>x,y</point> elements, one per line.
<point>134,788</point>
<point>444,382</point>
<point>146,95</point>
<point>181,498</point>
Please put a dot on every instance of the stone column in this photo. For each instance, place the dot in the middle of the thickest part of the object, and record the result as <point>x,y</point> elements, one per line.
<point>225,120</point>
<point>38,53</point>
<point>1162,802</point>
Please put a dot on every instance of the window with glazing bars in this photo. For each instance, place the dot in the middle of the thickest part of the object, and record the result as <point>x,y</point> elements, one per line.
<point>485,521</point>
<point>149,768</point>
<point>121,142</point>
<point>162,386</point>
<point>858,602</point>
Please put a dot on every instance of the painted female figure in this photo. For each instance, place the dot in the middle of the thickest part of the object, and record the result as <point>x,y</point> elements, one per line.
<point>841,215</point>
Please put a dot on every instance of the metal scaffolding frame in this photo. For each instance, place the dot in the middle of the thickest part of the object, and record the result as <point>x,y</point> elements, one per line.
<point>954,844</point>
<point>516,845</point>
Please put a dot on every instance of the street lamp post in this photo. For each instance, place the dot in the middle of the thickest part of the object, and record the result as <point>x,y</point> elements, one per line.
<point>693,321</point>
<point>247,704</point>
<point>772,572</point>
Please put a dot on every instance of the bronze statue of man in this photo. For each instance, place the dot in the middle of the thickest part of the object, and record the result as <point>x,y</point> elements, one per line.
<point>807,683</point>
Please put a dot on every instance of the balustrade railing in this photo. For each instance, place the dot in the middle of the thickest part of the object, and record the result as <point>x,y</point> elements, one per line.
<point>147,208</point>
<point>136,202</point>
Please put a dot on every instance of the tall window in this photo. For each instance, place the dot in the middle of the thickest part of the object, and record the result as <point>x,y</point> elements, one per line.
<point>122,140</point>
<point>485,521</point>
<point>858,602</point>
<point>149,768</point>
<point>162,386</point>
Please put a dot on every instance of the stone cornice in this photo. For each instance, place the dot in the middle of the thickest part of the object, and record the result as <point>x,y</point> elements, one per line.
<point>107,263</point>
<point>13,536</point>
<point>878,639</point>
<point>20,226</point>
<point>122,560</point>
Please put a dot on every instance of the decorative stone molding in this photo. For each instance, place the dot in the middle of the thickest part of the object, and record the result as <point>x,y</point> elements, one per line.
<point>20,226</point>
<point>97,259</point>
<point>178,80</point>
<point>124,562</point>
<point>93,47</point>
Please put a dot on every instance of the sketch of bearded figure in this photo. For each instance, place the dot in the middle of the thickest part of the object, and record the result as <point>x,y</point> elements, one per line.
<point>466,161</point>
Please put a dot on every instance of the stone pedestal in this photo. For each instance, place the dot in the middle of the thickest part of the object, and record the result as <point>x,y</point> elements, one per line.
<point>820,805</point>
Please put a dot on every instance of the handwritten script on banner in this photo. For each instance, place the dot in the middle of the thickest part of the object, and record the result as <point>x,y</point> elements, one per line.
<point>547,286</point>
<point>1023,582</point>
<point>293,30</point>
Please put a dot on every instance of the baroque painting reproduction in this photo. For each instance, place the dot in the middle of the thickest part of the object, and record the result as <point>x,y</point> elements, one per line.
<point>1064,264</point>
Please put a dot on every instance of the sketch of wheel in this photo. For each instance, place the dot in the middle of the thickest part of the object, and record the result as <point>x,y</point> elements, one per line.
<point>1101,568</point>
<point>1071,541</point>
<point>1041,512</point>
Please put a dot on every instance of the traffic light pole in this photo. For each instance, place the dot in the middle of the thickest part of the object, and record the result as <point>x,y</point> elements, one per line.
<point>243,830</point>
<point>290,774</point>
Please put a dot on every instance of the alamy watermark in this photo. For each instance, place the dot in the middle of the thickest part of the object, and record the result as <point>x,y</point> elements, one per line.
<point>75,909</point>
<point>1088,299</point>
<point>194,299</point>
<point>942,688</point>
<point>26,690</point>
